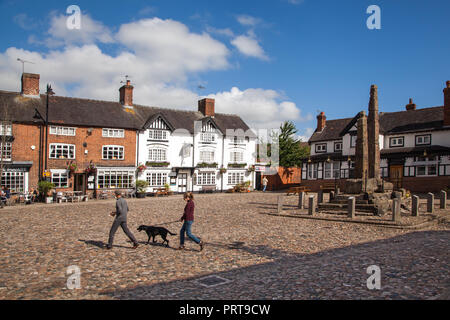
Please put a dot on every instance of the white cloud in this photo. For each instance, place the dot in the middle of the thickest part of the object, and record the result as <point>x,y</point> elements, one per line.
<point>24,21</point>
<point>249,46</point>
<point>247,20</point>
<point>161,57</point>
<point>296,2</point>
<point>91,31</point>
<point>260,108</point>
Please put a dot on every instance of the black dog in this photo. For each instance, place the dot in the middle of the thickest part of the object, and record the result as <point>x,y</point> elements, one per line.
<point>154,231</point>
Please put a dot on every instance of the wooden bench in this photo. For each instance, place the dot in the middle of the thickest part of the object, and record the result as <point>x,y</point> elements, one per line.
<point>328,186</point>
<point>297,190</point>
<point>210,189</point>
<point>161,192</point>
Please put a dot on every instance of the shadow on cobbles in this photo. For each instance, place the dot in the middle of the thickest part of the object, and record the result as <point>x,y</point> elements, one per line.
<point>413,266</point>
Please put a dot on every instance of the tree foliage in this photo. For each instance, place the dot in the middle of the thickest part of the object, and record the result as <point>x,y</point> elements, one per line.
<point>290,150</point>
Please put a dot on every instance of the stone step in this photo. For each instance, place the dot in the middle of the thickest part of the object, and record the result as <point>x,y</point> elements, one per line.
<point>346,201</point>
<point>343,207</point>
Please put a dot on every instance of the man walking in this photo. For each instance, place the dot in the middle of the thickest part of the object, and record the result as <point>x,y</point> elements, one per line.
<point>120,220</point>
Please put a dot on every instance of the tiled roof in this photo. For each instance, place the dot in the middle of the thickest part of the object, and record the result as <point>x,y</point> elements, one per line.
<point>390,123</point>
<point>98,113</point>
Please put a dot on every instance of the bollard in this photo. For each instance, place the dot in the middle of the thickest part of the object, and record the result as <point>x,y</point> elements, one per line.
<point>320,196</point>
<point>301,200</point>
<point>415,206</point>
<point>430,202</point>
<point>443,198</point>
<point>311,206</point>
<point>351,207</point>
<point>280,204</point>
<point>396,204</point>
<point>332,196</point>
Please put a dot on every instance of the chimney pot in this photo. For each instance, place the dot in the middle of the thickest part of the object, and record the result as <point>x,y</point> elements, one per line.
<point>447,104</point>
<point>410,105</point>
<point>321,121</point>
<point>30,84</point>
<point>126,94</point>
<point>206,106</point>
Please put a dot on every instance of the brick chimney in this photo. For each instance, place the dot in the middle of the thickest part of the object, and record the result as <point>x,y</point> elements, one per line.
<point>410,105</point>
<point>30,84</point>
<point>321,120</point>
<point>447,104</point>
<point>126,95</point>
<point>206,106</point>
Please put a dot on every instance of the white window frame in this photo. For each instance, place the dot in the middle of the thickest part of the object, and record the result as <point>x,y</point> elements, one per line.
<point>13,180</point>
<point>158,134</point>
<point>235,177</point>
<point>338,144</point>
<point>61,146</point>
<point>394,142</point>
<point>6,151</point>
<point>8,129</point>
<point>208,137</point>
<point>156,179</point>
<point>426,164</point>
<point>333,172</point>
<point>114,179</point>
<point>207,156</point>
<point>236,156</point>
<point>206,178</point>
<point>157,154</point>
<point>57,176</point>
<point>113,133</point>
<point>353,139</point>
<point>120,155</point>
<point>321,148</point>
<point>62,131</point>
<point>428,136</point>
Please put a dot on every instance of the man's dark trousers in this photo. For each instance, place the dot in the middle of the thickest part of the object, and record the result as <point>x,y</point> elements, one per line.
<point>123,224</point>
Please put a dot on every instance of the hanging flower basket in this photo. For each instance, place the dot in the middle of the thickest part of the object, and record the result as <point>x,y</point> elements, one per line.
<point>72,167</point>
<point>251,169</point>
<point>141,168</point>
<point>222,170</point>
<point>91,169</point>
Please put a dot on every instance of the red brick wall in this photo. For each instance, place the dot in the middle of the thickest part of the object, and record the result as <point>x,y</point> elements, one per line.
<point>30,84</point>
<point>94,142</point>
<point>26,136</point>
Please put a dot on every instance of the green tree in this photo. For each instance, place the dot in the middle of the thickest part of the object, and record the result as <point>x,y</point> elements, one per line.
<point>290,150</point>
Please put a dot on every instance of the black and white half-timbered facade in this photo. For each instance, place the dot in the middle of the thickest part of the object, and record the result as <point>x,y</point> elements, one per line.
<point>414,148</point>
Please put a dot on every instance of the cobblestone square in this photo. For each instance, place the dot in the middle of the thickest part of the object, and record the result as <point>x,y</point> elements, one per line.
<point>260,256</point>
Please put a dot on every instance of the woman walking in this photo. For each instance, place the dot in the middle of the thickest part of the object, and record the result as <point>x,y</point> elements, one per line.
<point>188,218</point>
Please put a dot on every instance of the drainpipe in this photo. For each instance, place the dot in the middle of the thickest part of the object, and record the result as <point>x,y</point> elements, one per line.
<point>223,164</point>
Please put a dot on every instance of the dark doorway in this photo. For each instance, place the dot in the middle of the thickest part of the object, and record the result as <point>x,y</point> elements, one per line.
<point>79,180</point>
<point>258,180</point>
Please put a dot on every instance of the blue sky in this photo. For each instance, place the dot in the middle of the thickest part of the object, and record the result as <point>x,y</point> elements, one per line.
<point>268,61</point>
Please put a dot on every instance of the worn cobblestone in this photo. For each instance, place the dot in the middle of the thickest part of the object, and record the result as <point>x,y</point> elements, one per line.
<point>263,256</point>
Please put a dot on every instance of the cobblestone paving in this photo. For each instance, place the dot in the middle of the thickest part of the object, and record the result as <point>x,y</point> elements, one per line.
<point>262,256</point>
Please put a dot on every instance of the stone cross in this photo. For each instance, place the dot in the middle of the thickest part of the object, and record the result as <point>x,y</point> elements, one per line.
<point>361,152</point>
<point>311,206</point>
<point>373,132</point>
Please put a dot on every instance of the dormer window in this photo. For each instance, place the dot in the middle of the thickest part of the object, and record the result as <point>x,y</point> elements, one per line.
<point>208,137</point>
<point>157,134</point>
<point>423,140</point>
<point>396,142</point>
<point>320,148</point>
<point>5,130</point>
<point>337,146</point>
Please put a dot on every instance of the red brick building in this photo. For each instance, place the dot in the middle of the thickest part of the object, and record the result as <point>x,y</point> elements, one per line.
<point>91,144</point>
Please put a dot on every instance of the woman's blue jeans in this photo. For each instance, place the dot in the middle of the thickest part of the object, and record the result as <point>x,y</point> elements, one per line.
<point>187,225</point>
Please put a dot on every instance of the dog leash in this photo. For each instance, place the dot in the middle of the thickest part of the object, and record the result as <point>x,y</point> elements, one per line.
<point>161,224</point>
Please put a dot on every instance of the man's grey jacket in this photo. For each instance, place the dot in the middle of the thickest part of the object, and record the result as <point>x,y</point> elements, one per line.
<point>121,209</point>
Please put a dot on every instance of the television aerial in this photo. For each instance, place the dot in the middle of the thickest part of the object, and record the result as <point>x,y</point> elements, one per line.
<point>23,63</point>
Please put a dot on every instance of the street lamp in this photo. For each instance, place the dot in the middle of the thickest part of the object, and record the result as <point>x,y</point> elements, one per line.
<point>38,116</point>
